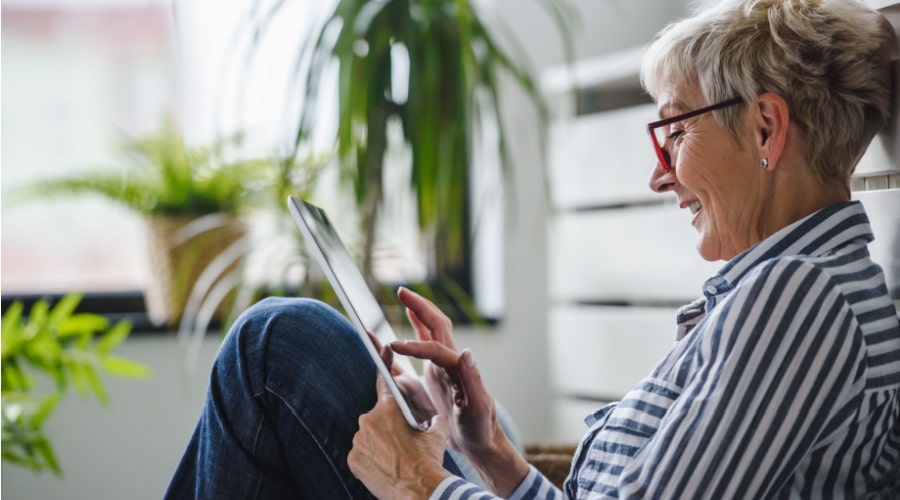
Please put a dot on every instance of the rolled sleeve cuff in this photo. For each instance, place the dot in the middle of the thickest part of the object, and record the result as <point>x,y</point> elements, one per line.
<point>532,486</point>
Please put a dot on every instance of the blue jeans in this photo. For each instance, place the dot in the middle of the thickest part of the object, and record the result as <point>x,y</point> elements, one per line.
<point>286,390</point>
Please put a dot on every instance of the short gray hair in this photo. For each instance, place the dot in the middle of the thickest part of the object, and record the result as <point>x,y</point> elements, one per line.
<point>829,59</point>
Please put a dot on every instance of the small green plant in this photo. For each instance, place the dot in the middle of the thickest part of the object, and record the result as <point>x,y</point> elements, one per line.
<point>167,177</point>
<point>192,198</point>
<point>43,355</point>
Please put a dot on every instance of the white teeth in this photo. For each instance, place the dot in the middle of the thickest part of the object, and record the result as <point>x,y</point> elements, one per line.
<point>694,207</point>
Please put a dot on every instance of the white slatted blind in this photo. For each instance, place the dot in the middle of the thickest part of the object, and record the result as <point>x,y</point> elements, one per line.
<point>621,258</point>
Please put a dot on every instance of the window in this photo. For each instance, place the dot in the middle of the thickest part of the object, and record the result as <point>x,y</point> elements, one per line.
<point>79,75</point>
<point>74,78</point>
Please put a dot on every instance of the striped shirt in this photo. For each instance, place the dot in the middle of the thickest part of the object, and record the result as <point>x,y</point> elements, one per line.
<point>783,383</point>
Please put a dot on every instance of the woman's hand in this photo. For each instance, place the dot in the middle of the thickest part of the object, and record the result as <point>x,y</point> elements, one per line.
<point>459,394</point>
<point>452,379</point>
<point>391,458</point>
<point>410,384</point>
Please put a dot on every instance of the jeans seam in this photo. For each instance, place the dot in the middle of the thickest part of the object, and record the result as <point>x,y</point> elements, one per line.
<point>259,477</point>
<point>313,436</point>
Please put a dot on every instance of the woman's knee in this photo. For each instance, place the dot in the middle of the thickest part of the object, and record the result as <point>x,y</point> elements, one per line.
<point>296,317</point>
<point>290,309</point>
<point>282,329</point>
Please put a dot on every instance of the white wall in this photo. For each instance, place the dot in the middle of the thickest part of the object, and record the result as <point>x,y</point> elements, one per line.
<point>130,449</point>
<point>513,357</point>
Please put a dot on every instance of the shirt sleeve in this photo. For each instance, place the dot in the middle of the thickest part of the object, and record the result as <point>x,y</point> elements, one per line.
<point>777,367</point>
<point>533,486</point>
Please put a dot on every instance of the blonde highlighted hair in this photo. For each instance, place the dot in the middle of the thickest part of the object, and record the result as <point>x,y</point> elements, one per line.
<point>829,59</point>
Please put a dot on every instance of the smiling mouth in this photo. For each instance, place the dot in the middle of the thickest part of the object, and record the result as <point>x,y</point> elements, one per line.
<point>694,207</point>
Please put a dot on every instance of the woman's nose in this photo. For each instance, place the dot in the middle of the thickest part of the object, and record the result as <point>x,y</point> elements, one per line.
<point>660,180</point>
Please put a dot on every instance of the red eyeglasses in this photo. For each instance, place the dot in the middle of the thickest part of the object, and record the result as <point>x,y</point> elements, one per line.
<point>661,135</point>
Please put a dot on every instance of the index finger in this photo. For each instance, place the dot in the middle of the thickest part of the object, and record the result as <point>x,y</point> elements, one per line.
<point>436,352</point>
<point>428,315</point>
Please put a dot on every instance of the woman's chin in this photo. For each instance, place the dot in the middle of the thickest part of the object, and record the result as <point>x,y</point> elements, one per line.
<point>708,249</point>
<point>707,256</point>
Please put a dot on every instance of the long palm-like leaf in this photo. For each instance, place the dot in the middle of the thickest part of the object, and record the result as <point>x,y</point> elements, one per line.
<point>454,79</point>
<point>453,57</point>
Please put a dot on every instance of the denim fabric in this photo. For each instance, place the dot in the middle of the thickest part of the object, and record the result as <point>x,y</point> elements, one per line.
<point>286,390</point>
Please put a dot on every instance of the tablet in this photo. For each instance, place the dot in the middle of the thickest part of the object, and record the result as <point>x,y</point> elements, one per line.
<point>366,315</point>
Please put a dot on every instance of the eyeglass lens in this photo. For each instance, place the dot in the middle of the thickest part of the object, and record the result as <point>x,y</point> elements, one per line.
<point>660,136</point>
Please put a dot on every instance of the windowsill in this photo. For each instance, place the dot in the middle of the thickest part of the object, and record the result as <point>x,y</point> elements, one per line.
<point>115,306</point>
<point>129,305</point>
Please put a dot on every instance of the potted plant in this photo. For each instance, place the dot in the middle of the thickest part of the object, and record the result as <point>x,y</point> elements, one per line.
<point>63,347</point>
<point>192,198</point>
<point>451,85</point>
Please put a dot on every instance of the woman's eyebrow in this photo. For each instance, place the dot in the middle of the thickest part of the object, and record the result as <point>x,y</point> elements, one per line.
<point>671,108</point>
<point>665,113</point>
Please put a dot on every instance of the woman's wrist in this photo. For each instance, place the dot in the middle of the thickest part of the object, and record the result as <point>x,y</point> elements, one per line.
<point>425,481</point>
<point>501,467</point>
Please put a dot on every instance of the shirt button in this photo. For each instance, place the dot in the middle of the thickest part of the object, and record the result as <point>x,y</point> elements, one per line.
<point>711,289</point>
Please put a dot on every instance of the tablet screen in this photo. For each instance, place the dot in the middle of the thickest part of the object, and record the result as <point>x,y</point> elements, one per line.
<point>347,280</point>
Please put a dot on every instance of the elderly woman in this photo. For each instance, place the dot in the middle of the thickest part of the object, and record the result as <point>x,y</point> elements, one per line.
<point>784,380</point>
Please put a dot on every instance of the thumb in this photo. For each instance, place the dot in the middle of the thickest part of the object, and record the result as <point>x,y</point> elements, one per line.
<point>439,427</point>
<point>470,378</point>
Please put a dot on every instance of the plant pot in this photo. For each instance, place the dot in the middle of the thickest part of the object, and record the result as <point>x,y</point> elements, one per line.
<point>178,254</point>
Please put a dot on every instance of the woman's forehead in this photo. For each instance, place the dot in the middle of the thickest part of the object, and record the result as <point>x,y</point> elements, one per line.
<point>675,99</point>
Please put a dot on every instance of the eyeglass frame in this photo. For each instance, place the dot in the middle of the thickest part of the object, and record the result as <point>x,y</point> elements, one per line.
<point>662,155</point>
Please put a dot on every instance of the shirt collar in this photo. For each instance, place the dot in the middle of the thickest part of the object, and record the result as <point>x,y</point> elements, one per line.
<point>815,234</point>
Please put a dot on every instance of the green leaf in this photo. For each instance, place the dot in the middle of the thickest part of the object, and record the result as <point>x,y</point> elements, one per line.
<point>124,367</point>
<point>39,313</point>
<point>113,338</point>
<point>45,450</point>
<point>78,377</point>
<point>21,460</point>
<point>95,384</point>
<point>44,351</point>
<point>82,325</point>
<point>45,409</point>
<point>14,379</point>
<point>64,308</point>
<point>11,329</point>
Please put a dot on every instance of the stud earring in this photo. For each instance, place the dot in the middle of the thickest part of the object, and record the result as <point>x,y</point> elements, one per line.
<point>764,163</point>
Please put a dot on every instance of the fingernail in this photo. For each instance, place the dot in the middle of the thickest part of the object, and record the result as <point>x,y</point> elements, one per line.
<point>468,358</point>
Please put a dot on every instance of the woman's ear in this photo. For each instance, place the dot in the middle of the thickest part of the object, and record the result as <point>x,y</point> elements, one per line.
<point>771,127</point>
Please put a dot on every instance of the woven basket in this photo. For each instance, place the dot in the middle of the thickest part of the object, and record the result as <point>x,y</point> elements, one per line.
<point>553,460</point>
<point>175,266</point>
